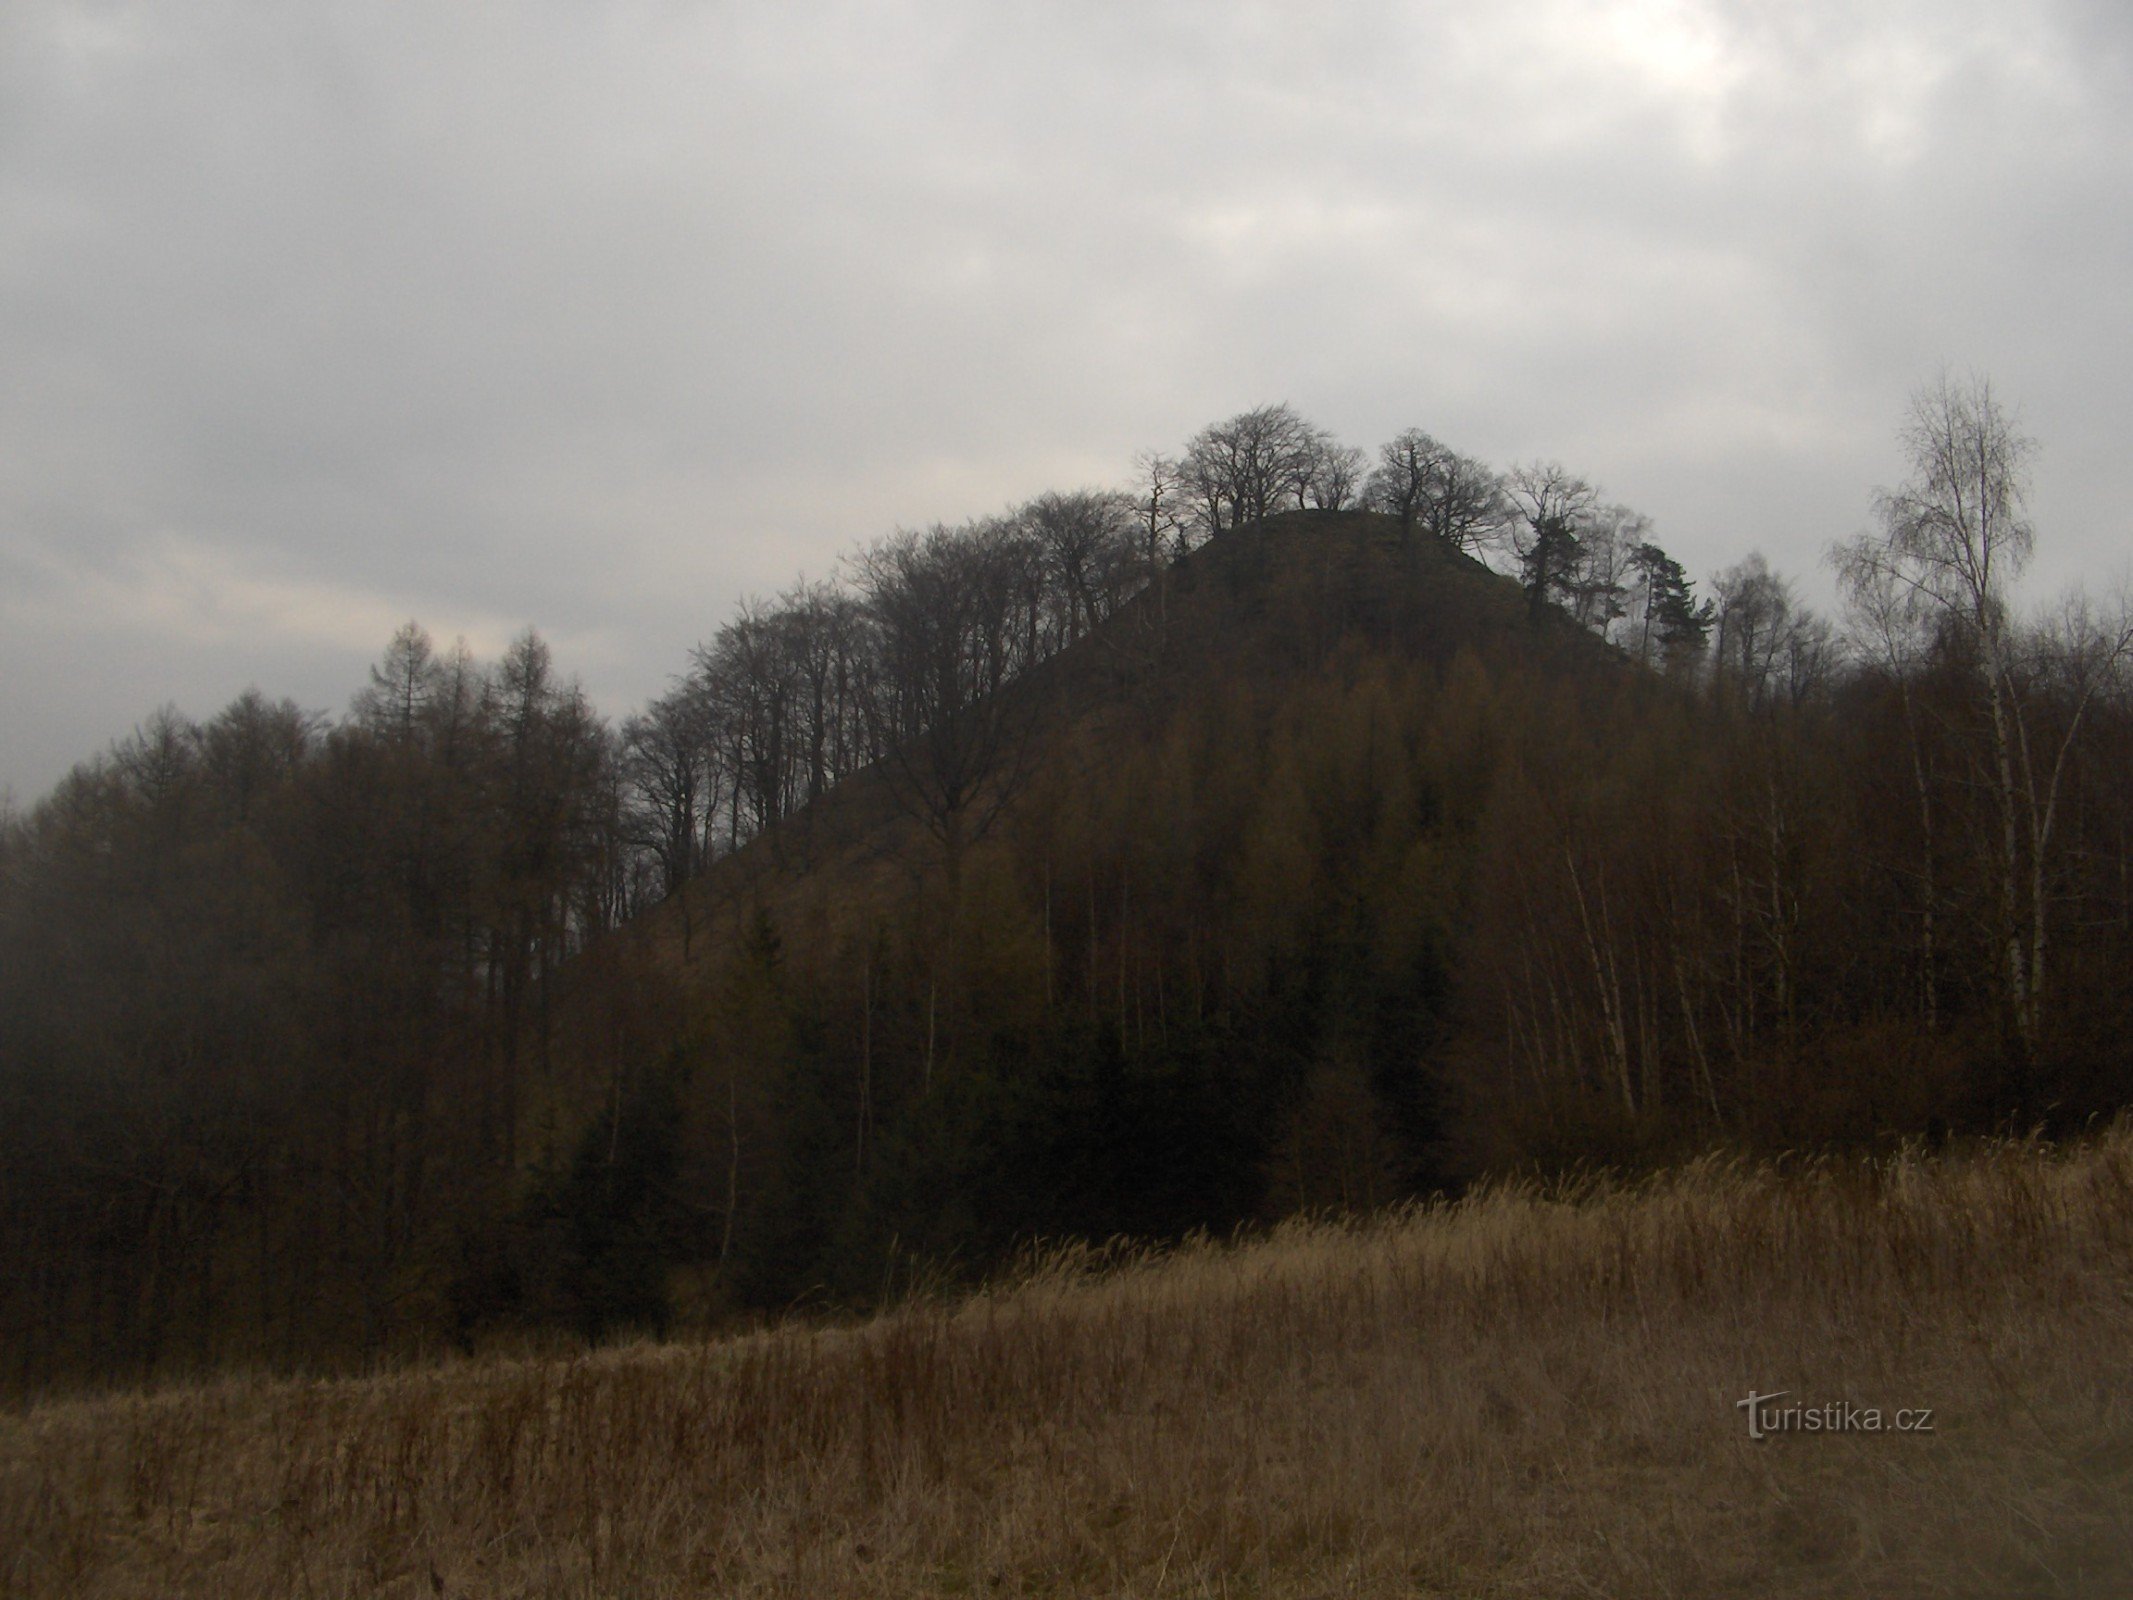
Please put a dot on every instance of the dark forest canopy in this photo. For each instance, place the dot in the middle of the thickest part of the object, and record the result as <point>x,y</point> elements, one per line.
<point>1284,831</point>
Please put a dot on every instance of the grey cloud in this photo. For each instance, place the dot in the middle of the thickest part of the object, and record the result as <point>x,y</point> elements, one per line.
<point>600,316</point>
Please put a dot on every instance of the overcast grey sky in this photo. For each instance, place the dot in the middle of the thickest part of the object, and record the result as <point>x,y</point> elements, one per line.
<point>317,317</point>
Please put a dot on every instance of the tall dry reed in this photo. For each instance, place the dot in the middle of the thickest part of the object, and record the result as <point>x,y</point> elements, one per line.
<point>1530,1391</point>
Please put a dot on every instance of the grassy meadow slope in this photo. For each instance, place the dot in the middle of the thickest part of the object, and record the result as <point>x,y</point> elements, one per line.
<point>1524,1392</point>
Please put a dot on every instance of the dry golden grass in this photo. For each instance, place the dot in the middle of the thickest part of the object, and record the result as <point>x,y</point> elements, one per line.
<point>1521,1393</point>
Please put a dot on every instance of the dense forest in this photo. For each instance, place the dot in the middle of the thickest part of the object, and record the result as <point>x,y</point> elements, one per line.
<point>1286,831</point>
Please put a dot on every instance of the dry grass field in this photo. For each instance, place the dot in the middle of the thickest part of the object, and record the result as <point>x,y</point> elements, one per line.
<point>1524,1393</point>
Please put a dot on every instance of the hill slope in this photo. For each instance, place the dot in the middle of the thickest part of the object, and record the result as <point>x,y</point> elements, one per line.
<point>1189,977</point>
<point>1320,872</point>
<point>1524,1393</point>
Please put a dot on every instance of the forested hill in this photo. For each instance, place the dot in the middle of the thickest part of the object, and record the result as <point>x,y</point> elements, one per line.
<point>1070,873</point>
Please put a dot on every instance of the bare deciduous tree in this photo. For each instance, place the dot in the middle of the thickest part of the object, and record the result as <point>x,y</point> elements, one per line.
<point>1953,538</point>
<point>1162,514</point>
<point>1550,507</point>
<point>1769,649</point>
<point>1086,542</point>
<point>672,783</point>
<point>1599,589</point>
<point>821,626</point>
<point>946,609</point>
<point>1329,474</point>
<point>1244,470</point>
<point>1432,488</point>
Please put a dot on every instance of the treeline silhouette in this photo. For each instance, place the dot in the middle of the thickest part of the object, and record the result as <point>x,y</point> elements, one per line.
<point>1137,861</point>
